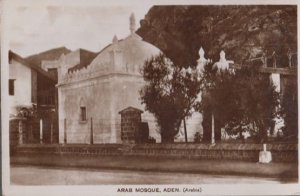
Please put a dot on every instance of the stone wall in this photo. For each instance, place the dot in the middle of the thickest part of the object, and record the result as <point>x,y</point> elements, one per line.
<point>71,149</point>
<point>241,152</point>
<point>130,124</point>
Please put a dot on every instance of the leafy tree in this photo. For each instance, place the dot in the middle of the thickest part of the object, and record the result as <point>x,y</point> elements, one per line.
<point>290,111</point>
<point>242,101</point>
<point>258,102</point>
<point>217,99</point>
<point>170,93</point>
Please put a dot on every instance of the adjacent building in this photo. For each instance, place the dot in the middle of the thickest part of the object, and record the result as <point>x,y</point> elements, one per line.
<point>33,98</point>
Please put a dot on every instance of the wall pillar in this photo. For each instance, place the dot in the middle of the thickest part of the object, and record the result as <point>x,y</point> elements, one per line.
<point>275,79</point>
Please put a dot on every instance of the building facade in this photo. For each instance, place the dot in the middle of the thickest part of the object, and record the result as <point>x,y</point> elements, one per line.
<point>33,101</point>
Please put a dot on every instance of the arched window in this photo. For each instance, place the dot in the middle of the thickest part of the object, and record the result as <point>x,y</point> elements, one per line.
<point>83,112</point>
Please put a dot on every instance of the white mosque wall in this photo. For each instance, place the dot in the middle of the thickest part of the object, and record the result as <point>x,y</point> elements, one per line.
<point>103,98</point>
<point>95,95</point>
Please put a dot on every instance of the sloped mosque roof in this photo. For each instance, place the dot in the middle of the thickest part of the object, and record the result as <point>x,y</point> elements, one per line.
<point>133,49</point>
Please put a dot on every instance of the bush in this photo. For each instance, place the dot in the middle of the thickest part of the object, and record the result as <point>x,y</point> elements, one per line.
<point>151,140</point>
<point>197,137</point>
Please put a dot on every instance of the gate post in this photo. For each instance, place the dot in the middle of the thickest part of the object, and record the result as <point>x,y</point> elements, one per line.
<point>65,131</point>
<point>51,132</point>
<point>20,132</point>
<point>41,131</point>
<point>92,133</point>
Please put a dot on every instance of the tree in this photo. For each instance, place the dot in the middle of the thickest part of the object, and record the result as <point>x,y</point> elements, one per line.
<point>217,99</point>
<point>242,101</point>
<point>170,93</point>
<point>290,111</point>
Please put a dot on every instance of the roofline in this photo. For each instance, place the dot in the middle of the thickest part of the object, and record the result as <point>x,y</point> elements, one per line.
<point>85,50</point>
<point>131,107</point>
<point>43,52</point>
<point>12,55</point>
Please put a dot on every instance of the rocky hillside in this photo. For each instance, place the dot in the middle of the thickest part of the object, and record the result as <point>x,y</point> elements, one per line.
<point>242,31</point>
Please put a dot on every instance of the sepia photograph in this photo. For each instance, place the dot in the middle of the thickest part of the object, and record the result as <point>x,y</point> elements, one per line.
<point>183,98</point>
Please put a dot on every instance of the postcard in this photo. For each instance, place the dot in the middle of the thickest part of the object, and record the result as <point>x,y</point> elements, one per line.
<point>149,98</point>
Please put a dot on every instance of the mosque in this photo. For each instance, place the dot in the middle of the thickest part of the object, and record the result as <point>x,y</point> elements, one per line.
<point>93,94</point>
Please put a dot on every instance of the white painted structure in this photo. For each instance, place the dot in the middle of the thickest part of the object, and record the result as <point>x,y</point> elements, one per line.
<point>223,63</point>
<point>275,78</point>
<point>108,85</point>
<point>21,76</point>
<point>264,155</point>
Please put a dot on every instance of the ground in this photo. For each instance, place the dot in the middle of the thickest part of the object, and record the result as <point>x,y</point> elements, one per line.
<point>28,175</point>
<point>156,169</point>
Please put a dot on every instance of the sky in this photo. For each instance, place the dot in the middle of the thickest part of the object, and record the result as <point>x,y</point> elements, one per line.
<point>33,28</point>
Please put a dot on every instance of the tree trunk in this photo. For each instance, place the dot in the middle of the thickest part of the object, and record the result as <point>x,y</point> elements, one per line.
<point>206,124</point>
<point>218,127</point>
<point>166,137</point>
<point>185,132</point>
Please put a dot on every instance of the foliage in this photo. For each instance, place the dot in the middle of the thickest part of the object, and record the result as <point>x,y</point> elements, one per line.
<point>170,93</point>
<point>290,110</point>
<point>27,111</point>
<point>197,137</point>
<point>151,140</point>
<point>242,101</point>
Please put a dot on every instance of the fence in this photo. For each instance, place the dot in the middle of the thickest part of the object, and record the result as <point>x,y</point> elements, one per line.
<point>288,60</point>
<point>29,131</point>
<point>90,131</point>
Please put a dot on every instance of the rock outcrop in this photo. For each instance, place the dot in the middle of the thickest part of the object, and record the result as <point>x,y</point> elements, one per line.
<point>243,32</point>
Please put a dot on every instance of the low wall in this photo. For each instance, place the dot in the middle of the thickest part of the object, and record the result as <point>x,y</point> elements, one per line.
<point>72,149</point>
<point>242,152</point>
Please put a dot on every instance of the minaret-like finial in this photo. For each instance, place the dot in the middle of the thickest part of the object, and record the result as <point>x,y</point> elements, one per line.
<point>132,23</point>
<point>201,53</point>
<point>115,39</point>
<point>222,56</point>
<point>202,61</point>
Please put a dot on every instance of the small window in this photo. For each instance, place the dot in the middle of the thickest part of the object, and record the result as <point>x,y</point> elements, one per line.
<point>83,113</point>
<point>11,86</point>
